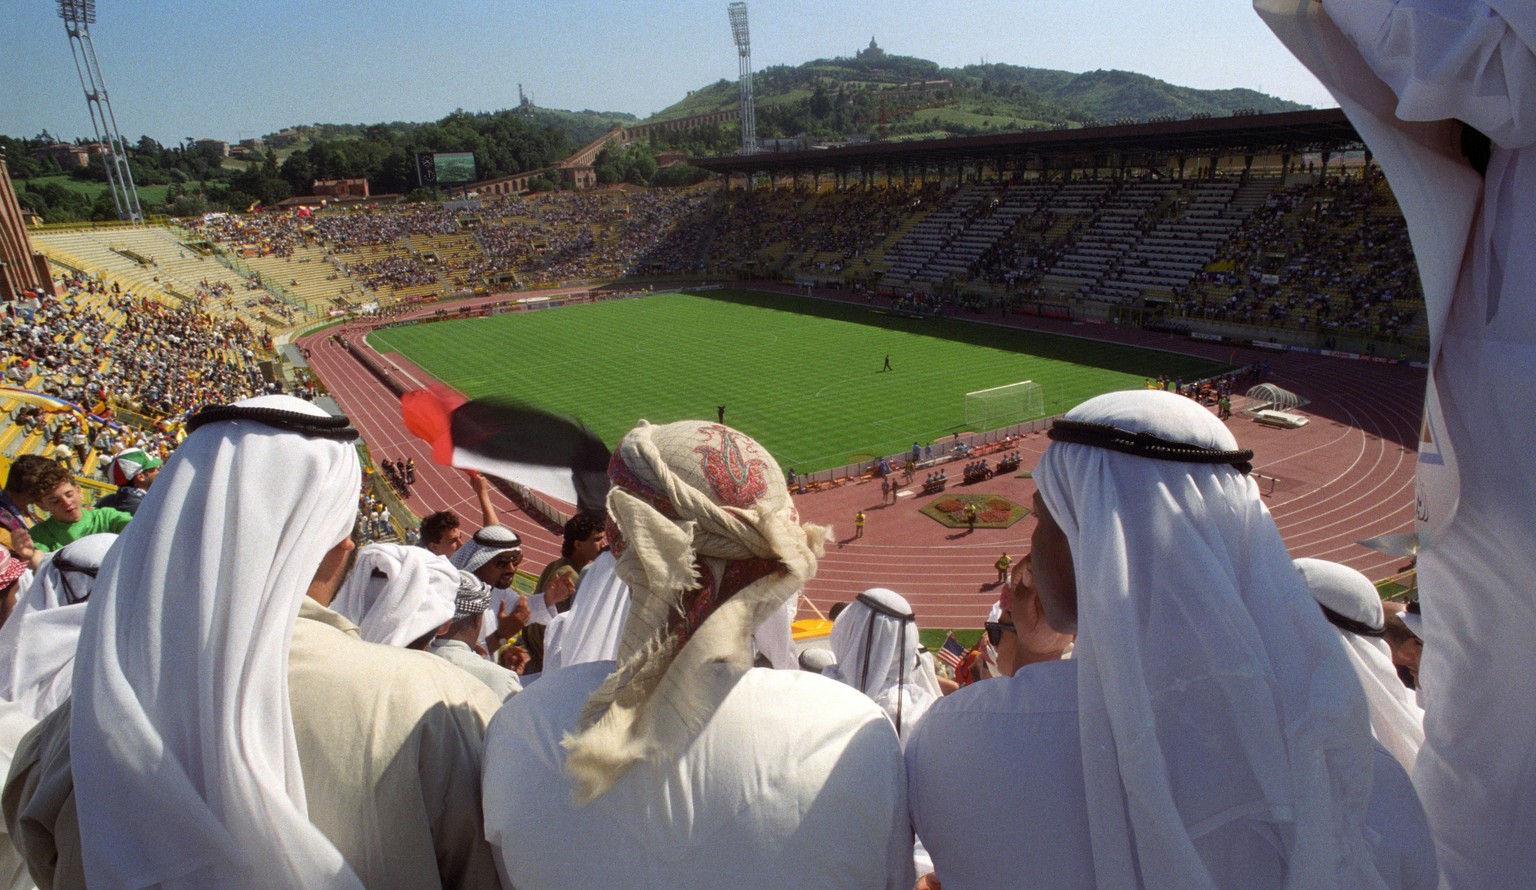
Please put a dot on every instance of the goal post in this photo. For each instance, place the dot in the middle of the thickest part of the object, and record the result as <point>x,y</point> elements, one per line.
<point>1000,406</point>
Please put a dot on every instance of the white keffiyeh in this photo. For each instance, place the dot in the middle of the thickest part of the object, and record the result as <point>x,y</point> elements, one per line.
<point>38,641</point>
<point>397,594</point>
<point>877,655</point>
<point>1396,720</point>
<point>1210,689</point>
<point>185,763</point>
<point>590,630</point>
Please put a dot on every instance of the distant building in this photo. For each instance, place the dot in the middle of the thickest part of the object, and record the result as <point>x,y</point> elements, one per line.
<point>253,144</point>
<point>340,188</point>
<point>283,138</point>
<point>66,155</point>
<point>872,54</point>
<point>218,145</point>
<point>580,176</point>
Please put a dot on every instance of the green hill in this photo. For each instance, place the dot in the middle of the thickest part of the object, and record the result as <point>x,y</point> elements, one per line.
<point>911,97</point>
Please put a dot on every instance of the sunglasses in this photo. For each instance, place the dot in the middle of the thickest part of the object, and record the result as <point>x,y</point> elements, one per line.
<point>507,561</point>
<point>995,630</point>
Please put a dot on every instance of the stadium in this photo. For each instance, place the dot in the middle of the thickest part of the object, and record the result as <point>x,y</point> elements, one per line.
<point>1076,261</point>
<point>869,470</point>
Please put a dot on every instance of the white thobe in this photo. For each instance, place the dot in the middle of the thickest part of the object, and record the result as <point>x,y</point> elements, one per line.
<point>995,775</point>
<point>501,681</point>
<point>389,741</point>
<point>1442,60</point>
<point>14,723</point>
<point>795,779</point>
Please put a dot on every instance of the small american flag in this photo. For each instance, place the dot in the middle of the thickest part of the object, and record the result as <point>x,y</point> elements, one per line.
<point>951,652</point>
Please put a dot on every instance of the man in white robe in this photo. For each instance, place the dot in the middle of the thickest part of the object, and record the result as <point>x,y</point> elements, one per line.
<point>680,765</point>
<point>875,642</point>
<point>225,728</point>
<point>458,642</point>
<point>1208,731</point>
<point>38,641</point>
<point>590,631</point>
<point>1351,604</point>
<point>1443,92</point>
<point>398,595</point>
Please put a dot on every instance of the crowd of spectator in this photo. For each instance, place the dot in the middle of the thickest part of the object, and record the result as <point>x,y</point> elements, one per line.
<point>1347,268</point>
<point>252,234</point>
<point>109,352</point>
<point>399,270</point>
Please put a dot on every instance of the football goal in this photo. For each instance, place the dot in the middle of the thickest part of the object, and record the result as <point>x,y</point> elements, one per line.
<point>999,406</point>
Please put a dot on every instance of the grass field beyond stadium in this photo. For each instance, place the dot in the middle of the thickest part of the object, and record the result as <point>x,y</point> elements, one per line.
<point>803,376</point>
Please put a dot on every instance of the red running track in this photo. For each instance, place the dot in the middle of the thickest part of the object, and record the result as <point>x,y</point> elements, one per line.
<point>1346,476</point>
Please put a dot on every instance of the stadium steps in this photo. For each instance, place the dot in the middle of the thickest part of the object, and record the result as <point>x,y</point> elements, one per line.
<point>10,439</point>
<point>30,443</point>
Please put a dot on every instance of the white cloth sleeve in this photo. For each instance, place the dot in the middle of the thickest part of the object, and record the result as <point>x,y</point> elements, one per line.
<point>1461,60</point>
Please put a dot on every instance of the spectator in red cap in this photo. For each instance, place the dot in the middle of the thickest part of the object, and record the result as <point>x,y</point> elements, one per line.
<point>132,471</point>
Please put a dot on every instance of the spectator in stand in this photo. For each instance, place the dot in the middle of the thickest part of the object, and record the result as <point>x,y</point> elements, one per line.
<point>397,595</point>
<point>584,537</point>
<point>458,640</point>
<point>493,554</point>
<point>875,643</point>
<point>1180,746</point>
<point>210,695</point>
<point>38,641</point>
<point>440,533</point>
<point>1352,605</point>
<point>55,490</point>
<point>16,500</point>
<point>593,762</point>
<point>132,471</point>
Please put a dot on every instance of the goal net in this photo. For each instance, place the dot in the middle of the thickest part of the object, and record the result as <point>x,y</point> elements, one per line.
<point>1003,405</point>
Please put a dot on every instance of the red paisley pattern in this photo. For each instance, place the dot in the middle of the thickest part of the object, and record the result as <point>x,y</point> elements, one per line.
<point>735,479</point>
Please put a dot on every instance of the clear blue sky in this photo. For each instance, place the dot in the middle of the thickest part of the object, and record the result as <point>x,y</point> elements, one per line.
<point>232,70</point>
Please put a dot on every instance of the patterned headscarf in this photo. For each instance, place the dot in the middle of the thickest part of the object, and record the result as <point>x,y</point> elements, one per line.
<point>473,596</point>
<point>710,545</point>
<point>486,544</point>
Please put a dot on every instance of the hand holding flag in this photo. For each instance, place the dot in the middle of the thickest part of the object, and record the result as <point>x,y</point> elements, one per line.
<point>523,445</point>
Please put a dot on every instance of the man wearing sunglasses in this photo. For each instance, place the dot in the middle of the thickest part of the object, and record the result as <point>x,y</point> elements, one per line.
<point>493,555</point>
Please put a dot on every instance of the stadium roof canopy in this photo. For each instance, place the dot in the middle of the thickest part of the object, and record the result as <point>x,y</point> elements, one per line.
<point>1156,144</point>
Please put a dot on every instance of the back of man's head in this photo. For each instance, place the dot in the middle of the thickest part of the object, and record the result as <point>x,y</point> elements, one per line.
<point>33,476</point>
<point>183,660</point>
<point>710,545</point>
<point>1200,654</point>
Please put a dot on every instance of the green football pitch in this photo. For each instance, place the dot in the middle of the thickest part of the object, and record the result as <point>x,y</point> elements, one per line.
<point>802,376</point>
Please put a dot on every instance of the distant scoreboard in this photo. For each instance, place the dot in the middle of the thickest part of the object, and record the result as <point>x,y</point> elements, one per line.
<point>445,168</point>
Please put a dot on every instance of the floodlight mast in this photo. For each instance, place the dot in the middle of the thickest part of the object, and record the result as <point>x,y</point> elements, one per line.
<point>78,16</point>
<point>738,14</point>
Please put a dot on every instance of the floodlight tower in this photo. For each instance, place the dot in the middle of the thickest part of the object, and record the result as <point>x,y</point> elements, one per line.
<point>738,13</point>
<point>78,16</point>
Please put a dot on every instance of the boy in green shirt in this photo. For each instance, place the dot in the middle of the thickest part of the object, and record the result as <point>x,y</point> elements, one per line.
<point>55,490</point>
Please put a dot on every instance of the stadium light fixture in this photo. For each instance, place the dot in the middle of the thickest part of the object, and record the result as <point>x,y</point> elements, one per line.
<point>81,12</point>
<point>78,16</point>
<point>739,33</point>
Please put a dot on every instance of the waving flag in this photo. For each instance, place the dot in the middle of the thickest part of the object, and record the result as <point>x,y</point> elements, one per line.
<point>519,444</point>
<point>952,652</point>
